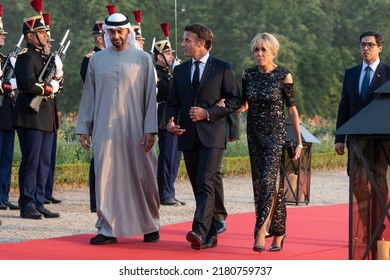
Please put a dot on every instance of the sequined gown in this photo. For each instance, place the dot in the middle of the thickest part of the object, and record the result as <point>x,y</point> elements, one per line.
<point>266,95</point>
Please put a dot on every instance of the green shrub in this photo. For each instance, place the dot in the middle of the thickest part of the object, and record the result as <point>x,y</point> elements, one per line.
<point>73,162</point>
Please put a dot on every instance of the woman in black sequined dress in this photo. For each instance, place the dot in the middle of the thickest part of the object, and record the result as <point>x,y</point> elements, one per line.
<point>266,88</point>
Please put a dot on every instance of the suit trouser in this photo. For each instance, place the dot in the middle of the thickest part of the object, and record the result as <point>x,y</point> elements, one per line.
<point>36,147</point>
<point>7,138</point>
<point>202,166</point>
<point>50,179</point>
<point>92,188</point>
<point>220,212</point>
<point>168,163</point>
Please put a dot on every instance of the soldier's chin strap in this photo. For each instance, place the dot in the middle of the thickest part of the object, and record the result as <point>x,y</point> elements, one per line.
<point>166,62</point>
<point>40,43</point>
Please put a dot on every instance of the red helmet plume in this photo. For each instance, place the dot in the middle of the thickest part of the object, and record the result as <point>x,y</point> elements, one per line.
<point>138,16</point>
<point>37,5</point>
<point>46,18</point>
<point>165,29</point>
<point>111,9</point>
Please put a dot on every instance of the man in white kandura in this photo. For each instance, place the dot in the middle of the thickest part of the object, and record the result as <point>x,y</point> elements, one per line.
<point>118,109</point>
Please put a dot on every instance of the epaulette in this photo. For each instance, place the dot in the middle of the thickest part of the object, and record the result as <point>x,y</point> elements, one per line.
<point>22,51</point>
<point>88,55</point>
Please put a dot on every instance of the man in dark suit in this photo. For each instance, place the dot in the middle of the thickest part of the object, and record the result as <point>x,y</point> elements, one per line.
<point>357,92</point>
<point>98,37</point>
<point>193,113</point>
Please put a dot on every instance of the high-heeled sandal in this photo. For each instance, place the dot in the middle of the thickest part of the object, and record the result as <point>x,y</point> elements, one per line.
<point>277,248</point>
<point>258,248</point>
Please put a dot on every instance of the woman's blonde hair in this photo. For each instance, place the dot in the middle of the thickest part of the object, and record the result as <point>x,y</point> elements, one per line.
<point>267,40</point>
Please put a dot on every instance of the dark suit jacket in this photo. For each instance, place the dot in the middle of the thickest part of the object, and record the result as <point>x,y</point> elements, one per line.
<point>232,127</point>
<point>218,81</point>
<point>350,102</point>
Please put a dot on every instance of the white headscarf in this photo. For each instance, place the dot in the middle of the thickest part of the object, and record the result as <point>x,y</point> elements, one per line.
<point>118,20</point>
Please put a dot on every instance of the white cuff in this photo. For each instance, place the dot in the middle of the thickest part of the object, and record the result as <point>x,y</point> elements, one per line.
<point>13,83</point>
<point>59,73</point>
<point>208,116</point>
<point>56,85</point>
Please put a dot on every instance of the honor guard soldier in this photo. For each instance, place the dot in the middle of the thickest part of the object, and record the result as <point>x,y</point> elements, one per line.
<point>49,198</point>
<point>98,36</point>
<point>169,155</point>
<point>137,29</point>
<point>7,132</point>
<point>35,127</point>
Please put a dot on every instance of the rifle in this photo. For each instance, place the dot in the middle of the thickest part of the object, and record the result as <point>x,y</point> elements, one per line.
<point>8,69</point>
<point>48,70</point>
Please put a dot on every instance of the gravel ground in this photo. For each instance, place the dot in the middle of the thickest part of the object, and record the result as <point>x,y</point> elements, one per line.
<point>327,187</point>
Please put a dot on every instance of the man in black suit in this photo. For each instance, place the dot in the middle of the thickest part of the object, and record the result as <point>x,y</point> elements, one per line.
<point>193,113</point>
<point>357,94</point>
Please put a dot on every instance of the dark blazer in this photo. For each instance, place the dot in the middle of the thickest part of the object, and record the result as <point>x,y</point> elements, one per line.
<point>218,81</point>
<point>27,69</point>
<point>350,102</point>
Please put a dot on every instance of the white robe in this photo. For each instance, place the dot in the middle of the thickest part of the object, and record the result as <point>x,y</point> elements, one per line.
<point>117,108</point>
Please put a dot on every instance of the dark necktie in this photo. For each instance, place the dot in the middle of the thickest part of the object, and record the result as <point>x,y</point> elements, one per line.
<point>365,84</point>
<point>195,77</point>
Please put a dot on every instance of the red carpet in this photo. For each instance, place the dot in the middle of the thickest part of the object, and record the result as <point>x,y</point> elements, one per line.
<point>313,233</point>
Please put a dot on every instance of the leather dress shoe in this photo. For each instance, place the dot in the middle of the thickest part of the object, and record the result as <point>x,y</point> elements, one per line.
<point>152,237</point>
<point>101,239</point>
<point>195,239</point>
<point>209,242</point>
<point>53,199</point>
<point>11,206</point>
<point>3,206</point>
<point>170,202</point>
<point>221,226</point>
<point>47,213</point>
<point>181,202</point>
<point>31,214</point>
<point>46,201</point>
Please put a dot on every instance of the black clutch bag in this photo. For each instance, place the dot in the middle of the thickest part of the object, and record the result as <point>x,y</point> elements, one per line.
<point>290,147</point>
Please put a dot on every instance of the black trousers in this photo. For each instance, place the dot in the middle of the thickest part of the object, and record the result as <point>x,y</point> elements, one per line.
<point>202,166</point>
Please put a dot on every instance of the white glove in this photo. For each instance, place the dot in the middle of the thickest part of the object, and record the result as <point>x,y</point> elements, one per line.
<point>12,59</point>
<point>56,85</point>
<point>13,83</point>
<point>1,72</point>
<point>59,65</point>
<point>176,62</point>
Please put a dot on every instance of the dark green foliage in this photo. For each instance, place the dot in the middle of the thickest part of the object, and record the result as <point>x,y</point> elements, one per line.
<point>318,37</point>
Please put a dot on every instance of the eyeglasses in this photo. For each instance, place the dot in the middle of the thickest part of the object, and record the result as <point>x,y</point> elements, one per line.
<point>369,45</point>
